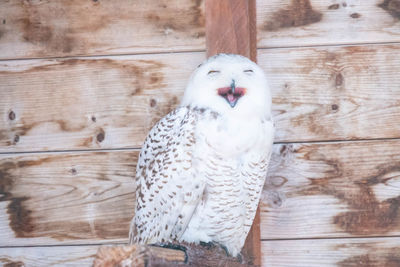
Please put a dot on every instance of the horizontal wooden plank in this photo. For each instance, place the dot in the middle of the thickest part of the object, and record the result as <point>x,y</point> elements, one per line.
<point>66,197</point>
<point>48,256</point>
<point>326,93</point>
<point>85,103</point>
<point>334,93</point>
<point>32,29</point>
<point>322,22</point>
<point>313,190</point>
<point>332,190</point>
<point>372,252</point>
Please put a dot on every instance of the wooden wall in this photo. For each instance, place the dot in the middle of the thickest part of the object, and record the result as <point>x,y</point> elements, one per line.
<point>81,83</point>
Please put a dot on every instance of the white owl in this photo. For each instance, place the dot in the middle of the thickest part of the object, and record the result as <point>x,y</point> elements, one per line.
<point>202,167</point>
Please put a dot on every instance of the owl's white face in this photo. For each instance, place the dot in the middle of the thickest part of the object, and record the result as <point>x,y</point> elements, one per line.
<point>229,84</point>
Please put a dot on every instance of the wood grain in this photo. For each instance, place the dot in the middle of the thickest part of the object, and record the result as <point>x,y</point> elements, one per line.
<point>48,256</point>
<point>231,27</point>
<point>334,93</point>
<point>338,189</point>
<point>371,252</point>
<point>330,93</point>
<point>292,23</point>
<point>32,29</point>
<point>81,103</point>
<point>66,198</point>
<point>319,190</point>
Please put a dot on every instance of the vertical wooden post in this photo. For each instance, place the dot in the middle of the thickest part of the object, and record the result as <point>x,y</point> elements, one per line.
<point>231,28</point>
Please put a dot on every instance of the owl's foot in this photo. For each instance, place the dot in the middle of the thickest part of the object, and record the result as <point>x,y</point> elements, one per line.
<point>239,256</point>
<point>172,246</point>
<point>211,245</point>
<point>208,245</point>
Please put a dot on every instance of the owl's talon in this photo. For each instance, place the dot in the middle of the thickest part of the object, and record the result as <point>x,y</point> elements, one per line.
<point>208,245</point>
<point>239,257</point>
<point>226,250</point>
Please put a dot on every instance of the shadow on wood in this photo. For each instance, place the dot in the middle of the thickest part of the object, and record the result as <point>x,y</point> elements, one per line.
<point>151,256</point>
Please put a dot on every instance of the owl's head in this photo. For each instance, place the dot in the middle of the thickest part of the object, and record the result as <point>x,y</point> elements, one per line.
<point>229,84</point>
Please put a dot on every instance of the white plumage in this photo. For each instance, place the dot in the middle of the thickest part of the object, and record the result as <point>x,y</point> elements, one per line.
<point>202,167</point>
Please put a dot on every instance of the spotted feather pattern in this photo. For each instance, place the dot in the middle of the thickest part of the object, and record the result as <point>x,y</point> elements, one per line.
<point>166,193</point>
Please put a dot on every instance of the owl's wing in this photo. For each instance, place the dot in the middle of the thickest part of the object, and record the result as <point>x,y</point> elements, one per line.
<point>255,168</point>
<point>167,189</point>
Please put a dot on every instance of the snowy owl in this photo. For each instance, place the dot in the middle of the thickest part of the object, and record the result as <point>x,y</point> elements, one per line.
<point>202,167</point>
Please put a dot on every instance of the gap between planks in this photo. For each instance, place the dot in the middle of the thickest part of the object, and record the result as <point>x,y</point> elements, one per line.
<point>138,148</point>
<point>337,141</point>
<point>196,51</point>
<point>262,240</point>
<point>69,245</point>
<point>331,238</point>
<point>72,150</point>
<point>106,55</point>
<point>326,45</point>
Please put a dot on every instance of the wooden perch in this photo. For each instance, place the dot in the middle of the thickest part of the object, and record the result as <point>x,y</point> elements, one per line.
<point>189,255</point>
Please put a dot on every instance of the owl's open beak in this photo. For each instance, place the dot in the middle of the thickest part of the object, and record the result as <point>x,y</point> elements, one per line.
<point>231,93</point>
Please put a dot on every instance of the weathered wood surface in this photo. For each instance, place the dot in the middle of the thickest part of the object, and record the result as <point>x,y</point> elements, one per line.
<point>371,252</point>
<point>332,190</point>
<point>358,252</point>
<point>334,93</point>
<point>318,190</point>
<point>330,93</point>
<point>86,103</point>
<point>85,197</point>
<point>31,29</point>
<point>36,28</point>
<point>48,256</point>
<point>231,28</point>
<point>322,22</point>
<point>318,93</point>
<point>313,191</point>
